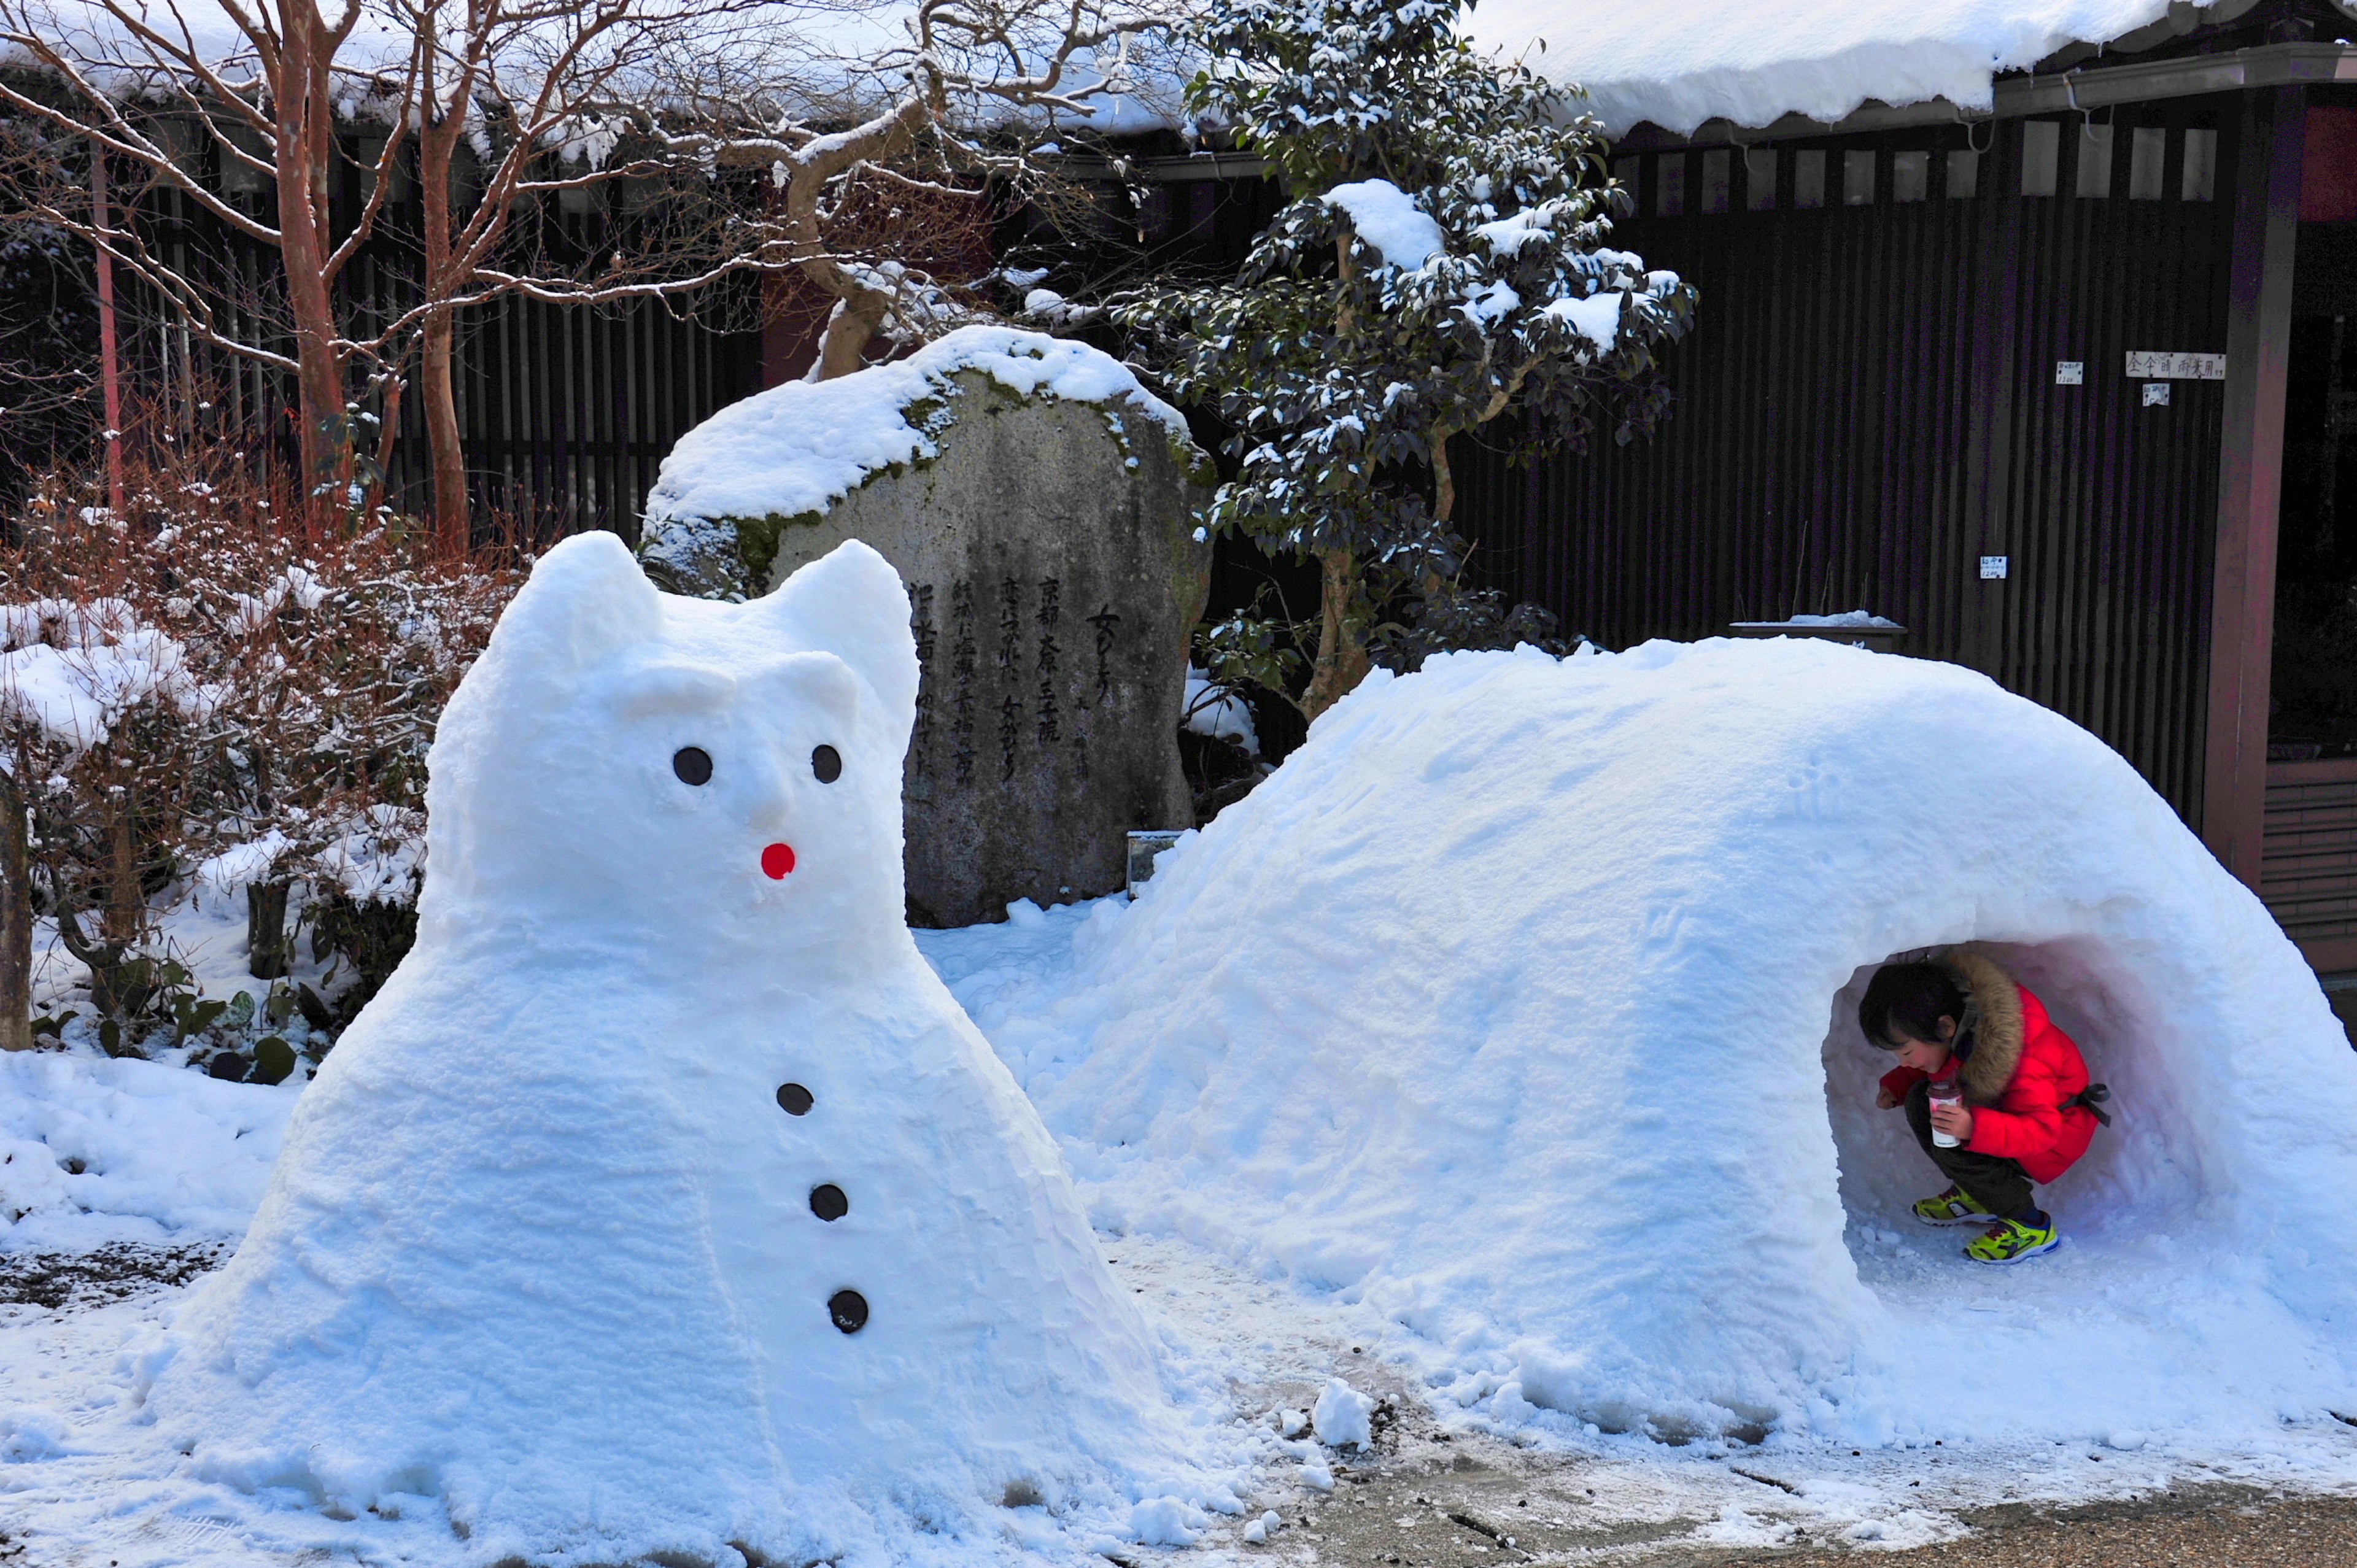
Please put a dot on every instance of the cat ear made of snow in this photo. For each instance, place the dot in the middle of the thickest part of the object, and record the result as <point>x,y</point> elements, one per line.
<point>851,603</point>
<point>585,598</point>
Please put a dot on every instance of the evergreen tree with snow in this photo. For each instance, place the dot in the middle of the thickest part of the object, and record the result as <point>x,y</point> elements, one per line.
<point>1441,267</point>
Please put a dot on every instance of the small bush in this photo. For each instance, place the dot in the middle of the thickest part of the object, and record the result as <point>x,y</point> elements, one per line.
<point>205,689</point>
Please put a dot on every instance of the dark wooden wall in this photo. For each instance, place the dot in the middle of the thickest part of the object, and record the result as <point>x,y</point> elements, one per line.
<point>1867,405</point>
<point>565,412</point>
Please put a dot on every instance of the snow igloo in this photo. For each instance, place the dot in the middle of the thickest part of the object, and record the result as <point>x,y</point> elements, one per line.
<point>663,1206</point>
<point>1519,1005</point>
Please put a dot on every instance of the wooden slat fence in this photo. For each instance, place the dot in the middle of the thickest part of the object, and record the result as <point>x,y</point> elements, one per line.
<point>566,411</point>
<point>2308,871</point>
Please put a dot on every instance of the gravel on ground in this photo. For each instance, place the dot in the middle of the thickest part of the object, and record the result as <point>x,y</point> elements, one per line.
<point>2186,1532</point>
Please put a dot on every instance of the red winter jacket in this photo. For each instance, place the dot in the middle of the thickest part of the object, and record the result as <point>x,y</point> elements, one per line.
<point>2021,1071</point>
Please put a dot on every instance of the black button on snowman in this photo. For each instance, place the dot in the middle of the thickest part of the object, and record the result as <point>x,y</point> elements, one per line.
<point>692,763</point>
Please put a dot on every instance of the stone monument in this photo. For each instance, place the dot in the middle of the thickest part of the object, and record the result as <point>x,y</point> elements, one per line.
<point>1043,510</point>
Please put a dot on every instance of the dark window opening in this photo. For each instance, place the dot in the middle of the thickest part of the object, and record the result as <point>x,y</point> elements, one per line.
<point>1963,176</point>
<point>2041,156</point>
<point>1809,177</point>
<point>1718,178</point>
<point>1911,176</point>
<point>2094,144</point>
<point>2147,145</point>
<point>1857,178</point>
<point>2200,178</point>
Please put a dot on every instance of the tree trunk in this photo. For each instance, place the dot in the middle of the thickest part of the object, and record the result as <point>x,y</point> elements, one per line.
<point>1341,643</point>
<point>844,346</point>
<point>387,434</point>
<point>126,901</point>
<point>453,521</point>
<point>266,943</point>
<point>1444,479</point>
<point>304,145</point>
<point>1443,507</point>
<point>16,922</point>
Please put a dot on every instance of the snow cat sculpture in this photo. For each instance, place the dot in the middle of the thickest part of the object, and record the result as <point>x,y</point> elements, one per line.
<point>663,1202</point>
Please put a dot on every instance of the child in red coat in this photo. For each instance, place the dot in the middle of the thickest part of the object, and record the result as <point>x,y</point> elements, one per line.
<point>2026,1112</point>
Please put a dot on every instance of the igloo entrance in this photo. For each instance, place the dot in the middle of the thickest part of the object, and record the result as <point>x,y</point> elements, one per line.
<point>2141,1174</point>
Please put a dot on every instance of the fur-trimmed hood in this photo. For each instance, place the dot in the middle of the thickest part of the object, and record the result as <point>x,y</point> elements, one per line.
<point>1992,1018</point>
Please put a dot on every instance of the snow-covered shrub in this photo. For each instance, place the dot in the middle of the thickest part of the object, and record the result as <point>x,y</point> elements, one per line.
<point>204,692</point>
<point>1442,268</point>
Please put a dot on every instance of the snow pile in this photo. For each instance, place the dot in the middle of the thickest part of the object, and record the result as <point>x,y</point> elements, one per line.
<point>1679,63</point>
<point>1596,318</point>
<point>1388,219</point>
<point>73,671</point>
<point>1343,1416</point>
<point>1218,711</point>
<point>1846,617</point>
<point>801,447</point>
<point>1517,1005</point>
<point>663,1200</point>
<point>95,1152</point>
<point>243,864</point>
<point>380,856</point>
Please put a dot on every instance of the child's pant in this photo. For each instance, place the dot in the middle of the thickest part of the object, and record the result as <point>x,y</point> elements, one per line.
<point>1999,1186</point>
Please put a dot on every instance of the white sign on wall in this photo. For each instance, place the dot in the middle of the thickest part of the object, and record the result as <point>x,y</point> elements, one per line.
<point>2159,365</point>
<point>1993,567</point>
<point>2069,372</point>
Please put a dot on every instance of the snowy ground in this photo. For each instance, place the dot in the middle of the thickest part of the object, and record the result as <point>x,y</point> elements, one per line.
<point>1496,1460</point>
<point>145,1172</point>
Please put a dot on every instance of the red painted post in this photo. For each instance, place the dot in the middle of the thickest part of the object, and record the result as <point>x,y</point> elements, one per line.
<point>2250,475</point>
<point>110,367</point>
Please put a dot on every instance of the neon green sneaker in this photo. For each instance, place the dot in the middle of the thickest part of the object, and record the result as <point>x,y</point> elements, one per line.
<point>2010,1242</point>
<point>1953,1207</point>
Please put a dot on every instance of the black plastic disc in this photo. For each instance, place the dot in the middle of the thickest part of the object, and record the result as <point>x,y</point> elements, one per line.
<point>849,1310</point>
<point>827,763</point>
<point>692,763</point>
<point>793,1100</point>
<point>828,1203</point>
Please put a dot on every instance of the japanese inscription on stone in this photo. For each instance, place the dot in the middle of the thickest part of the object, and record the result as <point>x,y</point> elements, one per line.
<point>1053,579</point>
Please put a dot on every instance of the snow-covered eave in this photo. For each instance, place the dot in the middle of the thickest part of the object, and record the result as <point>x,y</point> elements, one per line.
<point>2013,95</point>
<point>2022,93</point>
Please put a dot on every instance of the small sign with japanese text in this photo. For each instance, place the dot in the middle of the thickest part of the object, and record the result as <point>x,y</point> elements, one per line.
<point>2158,365</point>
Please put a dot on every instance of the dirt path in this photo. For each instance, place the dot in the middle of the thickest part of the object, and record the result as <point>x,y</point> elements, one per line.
<point>2186,1532</point>
<point>1422,1501</point>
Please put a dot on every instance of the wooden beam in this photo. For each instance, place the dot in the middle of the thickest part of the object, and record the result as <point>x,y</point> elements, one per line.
<point>2270,138</point>
<point>1988,438</point>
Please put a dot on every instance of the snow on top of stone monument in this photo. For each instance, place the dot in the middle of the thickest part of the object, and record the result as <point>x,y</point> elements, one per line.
<point>1677,63</point>
<point>803,445</point>
<point>1520,1004</point>
<point>663,1200</point>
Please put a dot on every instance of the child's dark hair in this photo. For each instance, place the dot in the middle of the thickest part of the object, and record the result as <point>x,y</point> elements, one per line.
<point>1910,998</point>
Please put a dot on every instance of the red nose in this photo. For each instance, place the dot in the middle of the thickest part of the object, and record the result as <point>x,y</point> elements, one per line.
<point>776,860</point>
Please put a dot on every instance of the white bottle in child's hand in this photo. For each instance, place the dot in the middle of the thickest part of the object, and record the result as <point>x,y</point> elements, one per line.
<point>1946,1091</point>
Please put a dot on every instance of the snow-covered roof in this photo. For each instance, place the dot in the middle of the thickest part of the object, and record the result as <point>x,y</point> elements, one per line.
<point>1677,63</point>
